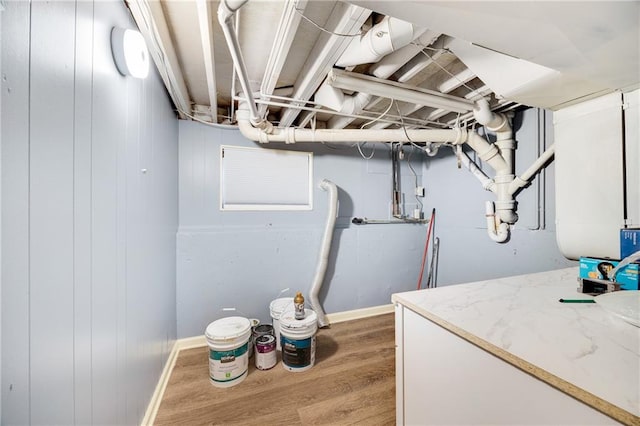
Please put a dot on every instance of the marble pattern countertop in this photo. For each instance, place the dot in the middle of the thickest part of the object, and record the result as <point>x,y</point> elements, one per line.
<point>579,348</point>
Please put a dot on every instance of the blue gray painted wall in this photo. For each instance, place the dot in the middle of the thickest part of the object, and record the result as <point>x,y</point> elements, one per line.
<point>88,239</point>
<point>244,259</point>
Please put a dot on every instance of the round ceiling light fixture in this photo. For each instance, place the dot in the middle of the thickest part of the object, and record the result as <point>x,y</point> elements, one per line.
<point>130,52</point>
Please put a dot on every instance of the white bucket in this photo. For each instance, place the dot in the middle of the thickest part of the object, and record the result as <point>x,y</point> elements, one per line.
<point>298,339</point>
<point>228,340</point>
<point>277,307</point>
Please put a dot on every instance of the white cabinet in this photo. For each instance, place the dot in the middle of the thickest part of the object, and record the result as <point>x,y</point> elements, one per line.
<point>442,379</point>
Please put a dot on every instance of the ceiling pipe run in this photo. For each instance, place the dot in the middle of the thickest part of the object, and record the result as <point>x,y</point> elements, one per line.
<point>293,135</point>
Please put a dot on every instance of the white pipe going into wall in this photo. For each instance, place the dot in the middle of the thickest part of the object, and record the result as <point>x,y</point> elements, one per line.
<point>524,179</point>
<point>325,248</point>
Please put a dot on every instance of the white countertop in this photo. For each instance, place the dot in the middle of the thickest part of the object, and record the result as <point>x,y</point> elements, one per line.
<point>521,320</point>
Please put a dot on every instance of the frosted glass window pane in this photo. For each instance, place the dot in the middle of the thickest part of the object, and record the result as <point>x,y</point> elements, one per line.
<point>265,179</point>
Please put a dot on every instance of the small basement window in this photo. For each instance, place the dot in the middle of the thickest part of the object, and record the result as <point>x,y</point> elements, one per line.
<point>265,179</point>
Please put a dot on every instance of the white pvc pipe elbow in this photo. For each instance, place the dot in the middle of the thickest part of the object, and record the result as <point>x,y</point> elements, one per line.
<point>498,231</point>
<point>325,248</point>
<point>492,121</point>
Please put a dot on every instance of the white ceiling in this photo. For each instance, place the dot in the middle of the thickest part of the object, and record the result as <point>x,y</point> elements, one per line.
<point>545,54</point>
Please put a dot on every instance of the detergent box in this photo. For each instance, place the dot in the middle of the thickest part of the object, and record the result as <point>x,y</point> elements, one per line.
<point>629,242</point>
<point>628,277</point>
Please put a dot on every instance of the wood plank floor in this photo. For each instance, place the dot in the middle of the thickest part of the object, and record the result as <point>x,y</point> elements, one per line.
<point>352,382</point>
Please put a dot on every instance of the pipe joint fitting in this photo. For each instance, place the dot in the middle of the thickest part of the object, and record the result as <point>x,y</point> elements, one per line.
<point>501,178</point>
<point>489,185</point>
<point>263,125</point>
<point>506,143</point>
<point>499,124</point>
<point>290,136</point>
<point>461,136</point>
<point>489,153</point>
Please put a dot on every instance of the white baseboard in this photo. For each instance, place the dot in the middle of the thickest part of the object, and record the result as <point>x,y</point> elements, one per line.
<point>200,341</point>
<point>152,409</point>
<point>359,313</point>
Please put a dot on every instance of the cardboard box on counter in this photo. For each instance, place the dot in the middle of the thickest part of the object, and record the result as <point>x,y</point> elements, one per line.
<point>629,242</point>
<point>628,277</point>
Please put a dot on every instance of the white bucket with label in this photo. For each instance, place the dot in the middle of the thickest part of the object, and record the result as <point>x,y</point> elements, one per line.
<point>228,340</point>
<point>277,307</point>
<point>298,339</point>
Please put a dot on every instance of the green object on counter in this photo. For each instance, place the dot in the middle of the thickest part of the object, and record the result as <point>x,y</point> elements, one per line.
<point>577,301</point>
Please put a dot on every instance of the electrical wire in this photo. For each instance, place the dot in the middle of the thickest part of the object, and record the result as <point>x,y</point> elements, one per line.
<point>380,116</point>
<point>361,144</point>
<point>370,156</point>
<point>299,12</point>
<point>415,175</point>
<point>404,128</point>
<point>426,248</point>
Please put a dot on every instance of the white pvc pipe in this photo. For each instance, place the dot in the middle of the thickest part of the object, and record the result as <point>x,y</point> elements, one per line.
<point>497,231</point>
<point>488,152</point>
<point>486,181</point>
<point>325,248</point>
<point>383,38</point>
<point>537,165</point>
<point>392,62</point>
<point>226,12</point>
<point>293,135</point>
<point>492,121</point>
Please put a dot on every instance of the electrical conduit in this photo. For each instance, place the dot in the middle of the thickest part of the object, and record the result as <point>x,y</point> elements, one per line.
<point>325,247</point>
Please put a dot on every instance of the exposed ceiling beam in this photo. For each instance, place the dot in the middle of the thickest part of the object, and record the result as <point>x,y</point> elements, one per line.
<point>456,81</point>
<point>289,22</point>
<point>152,24</point>
<point>417,64</point>
<point>205,19</point>
<point>345,19</point>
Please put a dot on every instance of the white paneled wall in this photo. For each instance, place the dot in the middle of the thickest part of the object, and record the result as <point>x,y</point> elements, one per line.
<point>89,215</point>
